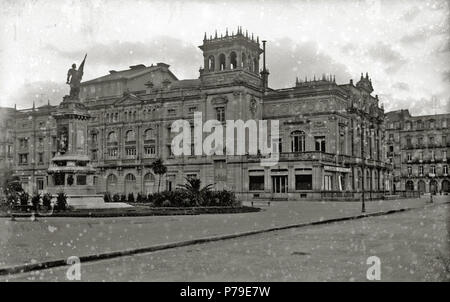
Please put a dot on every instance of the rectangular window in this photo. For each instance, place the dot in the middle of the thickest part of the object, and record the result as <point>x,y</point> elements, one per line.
<point>112,152</point>
<point>40,158</point>
<point>149,150</point>
<point>256,183</point>
<point>320,143</point>
<point>327,182</point>
<point>409,170</point>
<point>420,170</point>
<point>433,169</point>
<point>130,151</point>
<point>409,156</point>
<point>192,109</point>
<point>40,184</point>
<point>81,180</point>
<point>220,114</point>
<point>171,111</point>
<point>431,139</point>
<point>94,154</point>
<point>445,169</point>
<point>303,182</point>
<point>23,159</point>
<point>444,140</point>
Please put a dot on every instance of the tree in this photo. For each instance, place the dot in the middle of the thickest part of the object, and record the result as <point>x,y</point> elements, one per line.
<point>194,191</point>
<point>160,169</point>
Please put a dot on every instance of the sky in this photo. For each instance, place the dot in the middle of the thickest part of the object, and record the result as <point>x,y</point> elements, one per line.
<point>403,45</point>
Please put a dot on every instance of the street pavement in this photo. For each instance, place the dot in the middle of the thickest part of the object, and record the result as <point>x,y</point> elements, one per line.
<point>54,238</point>
<point>411,246</point>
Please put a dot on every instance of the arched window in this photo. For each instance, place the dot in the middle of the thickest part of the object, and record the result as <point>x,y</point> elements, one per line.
<point>149,177</point>
<point>149,183</point>
<point>409,185</point>
<point>130,177</point>
<point>298,141</point>
<point>255,65</point>
<point>419,125</point>
<point>112,137</point>
<point>211,63</point>
<point>149,134</point>
<point>233,60</point>
<point>107,117</point>
<point>130,136</point>
<point>134,116</point>
<point>111,183</point>
<point>130,183</point>
<point>116,116</point>
<point>243,61</point>
<point>222,62</point>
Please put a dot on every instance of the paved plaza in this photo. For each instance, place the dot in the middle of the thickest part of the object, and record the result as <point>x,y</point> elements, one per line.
<point>412,246</point>
<point>50,238</point>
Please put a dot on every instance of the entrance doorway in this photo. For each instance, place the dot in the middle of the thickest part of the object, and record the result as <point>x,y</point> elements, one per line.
<point>279,184</point>
<point>433,186</point>
<point>421,186</point>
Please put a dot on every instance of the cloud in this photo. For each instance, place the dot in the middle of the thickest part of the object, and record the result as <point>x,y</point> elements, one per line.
<point>413,38</point>
<point>411,14</point>
<point>416,106</point>
<point>181,56</point>
<point>40,93</point>
<point>384,54</point>
<point>401,86</point>
<point>287,60</point>
<point>446,76</point>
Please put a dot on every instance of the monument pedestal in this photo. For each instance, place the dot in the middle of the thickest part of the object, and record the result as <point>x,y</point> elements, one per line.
<point>71,171</point>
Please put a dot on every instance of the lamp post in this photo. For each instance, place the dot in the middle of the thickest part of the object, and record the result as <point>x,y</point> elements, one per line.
<point>363,204</point>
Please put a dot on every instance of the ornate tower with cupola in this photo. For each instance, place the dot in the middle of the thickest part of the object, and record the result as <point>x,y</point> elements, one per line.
<point>231,57</point>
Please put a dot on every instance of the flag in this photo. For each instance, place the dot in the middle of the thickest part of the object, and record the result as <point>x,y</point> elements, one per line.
<point>80,69</point>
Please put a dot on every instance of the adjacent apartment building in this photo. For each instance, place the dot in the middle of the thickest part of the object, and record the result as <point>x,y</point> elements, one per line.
<point>332,136</point>
<point>418,147</point>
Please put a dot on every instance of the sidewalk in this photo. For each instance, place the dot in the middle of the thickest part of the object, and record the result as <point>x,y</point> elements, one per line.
<point>47,239</point>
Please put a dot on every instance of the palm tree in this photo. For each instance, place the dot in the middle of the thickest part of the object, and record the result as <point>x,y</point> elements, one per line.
<point>194,191</point>
<point>159,168</point>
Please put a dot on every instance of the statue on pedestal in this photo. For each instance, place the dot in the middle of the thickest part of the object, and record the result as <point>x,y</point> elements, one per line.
<point>74,79</point>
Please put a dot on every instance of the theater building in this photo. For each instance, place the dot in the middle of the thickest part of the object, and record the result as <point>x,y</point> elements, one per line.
<point>332,138</point>
<point>418,147</point>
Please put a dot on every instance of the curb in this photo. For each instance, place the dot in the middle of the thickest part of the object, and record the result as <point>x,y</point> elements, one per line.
<point>109,255</point>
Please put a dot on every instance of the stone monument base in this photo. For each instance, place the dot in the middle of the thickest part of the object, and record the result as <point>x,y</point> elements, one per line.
<point>93,202</point>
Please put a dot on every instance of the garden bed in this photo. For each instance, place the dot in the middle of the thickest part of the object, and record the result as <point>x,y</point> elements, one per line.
<point>142,210</point>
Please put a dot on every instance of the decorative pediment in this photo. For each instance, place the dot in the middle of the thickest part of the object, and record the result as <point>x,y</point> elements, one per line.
<point>219,100</point>
<point>128,99</point>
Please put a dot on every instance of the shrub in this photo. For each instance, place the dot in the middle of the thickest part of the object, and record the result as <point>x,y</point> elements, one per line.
<point>35,201</point>
<point>140,198</point>
<point>47,200</point>
<point>130,197</point>
<point>12,198</point>
<point>61,201</point>
<point>116,198</point>
<point>123,198</point>
<point>166,203</point>
<point>24,198</point>
<point>107,197</point>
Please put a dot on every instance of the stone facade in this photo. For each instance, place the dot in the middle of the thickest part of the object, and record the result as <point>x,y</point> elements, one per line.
<point>418,147</point>
<point>329,132</point>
